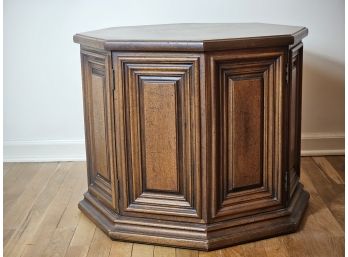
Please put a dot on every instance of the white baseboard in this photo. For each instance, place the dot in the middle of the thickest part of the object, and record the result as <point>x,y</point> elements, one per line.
<point>44,151</point>
<point>315,144</point>
<point>74,150</point>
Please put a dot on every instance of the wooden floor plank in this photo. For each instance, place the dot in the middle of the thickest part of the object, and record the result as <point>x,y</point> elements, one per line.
<point>236,251</point>
<point>254,249</point>
<point>65,229</point>
<point>100,246</point>
<point>50,224</point>
<point>36,245</point>
<point>161,251</point>
<point>296,245</point>
<point>20,208</point>
<point>216,253</point>
<point>330,194</point>
<point>31,223</point>
<point>8,169</point>
<point>7,166</point>
<point>338,163</point>
<point>82,238</point>
<point>15,182</point>
<point>185,253</point>
<point>328,169</point>
<point>142,250</point>
<point>275,247</point>
<point>7,235</point>
<point>121,249</point>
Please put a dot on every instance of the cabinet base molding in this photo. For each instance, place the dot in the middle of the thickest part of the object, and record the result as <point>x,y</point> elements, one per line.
<point>197,236</point>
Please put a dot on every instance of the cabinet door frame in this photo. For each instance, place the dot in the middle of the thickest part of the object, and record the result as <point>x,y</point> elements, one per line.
<point>225,68</point>
<point>96,70</point>
<point>132,72</point>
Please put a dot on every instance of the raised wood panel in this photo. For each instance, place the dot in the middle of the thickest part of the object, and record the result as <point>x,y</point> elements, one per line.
<point>160,137</point>
<point>247,142</point>
<point>158,157</point>
<point>98,126</point>
<point>295,99</point>
<point>245,107</point>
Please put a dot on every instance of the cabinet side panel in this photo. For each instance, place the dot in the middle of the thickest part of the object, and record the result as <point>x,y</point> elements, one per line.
<point>99,126</point>
<point>295,84</point>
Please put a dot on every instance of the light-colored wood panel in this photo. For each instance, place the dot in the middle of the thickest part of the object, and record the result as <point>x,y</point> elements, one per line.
<point>20,209</point>
<point>82,238</point>
<point>159,106</point>
<point>254,249</point>
<point>235,251</point>
<point>7,166</point>
<point>121,249</point>
<point>185,253</point>
<point>66,226</point>
<point>245,108</point>
<point>7,234</point>
<point>141,250</point>
<point>29,226</point>
<point>161,251</point>
<point>40,240</point>
<point>275,247</point>
<point>216,253</point>
<point>100,246</point>
<point>15,183</point>
<point>296,246</point>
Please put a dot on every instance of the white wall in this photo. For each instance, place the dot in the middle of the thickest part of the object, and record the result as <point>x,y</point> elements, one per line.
<point>42,84</point>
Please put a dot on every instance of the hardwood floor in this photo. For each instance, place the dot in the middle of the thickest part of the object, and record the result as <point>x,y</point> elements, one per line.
<point>41,217</point>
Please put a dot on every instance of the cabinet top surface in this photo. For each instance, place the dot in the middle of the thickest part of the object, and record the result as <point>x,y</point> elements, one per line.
<point>192,36</point>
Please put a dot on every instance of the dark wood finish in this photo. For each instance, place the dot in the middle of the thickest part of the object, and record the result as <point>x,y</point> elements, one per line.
<point>193,37</point>
<point>99,120</point>
<point>157,135</point>
<point>197,150</point>
<point>246,131</point>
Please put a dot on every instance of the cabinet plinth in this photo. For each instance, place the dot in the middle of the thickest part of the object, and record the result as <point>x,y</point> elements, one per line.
<point>193,132</point>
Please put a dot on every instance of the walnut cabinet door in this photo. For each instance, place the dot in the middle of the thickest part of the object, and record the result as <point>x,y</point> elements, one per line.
<point>158,140</point>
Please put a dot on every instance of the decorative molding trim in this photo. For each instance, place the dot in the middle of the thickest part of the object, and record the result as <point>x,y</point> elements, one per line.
<point>44,150</point>
<point>314,144</point>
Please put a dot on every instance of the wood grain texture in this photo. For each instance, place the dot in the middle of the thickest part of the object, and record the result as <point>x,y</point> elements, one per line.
<point>322,233</point>
<point>245,143</point>
<point>99,120</point>
<point>246,112</point>
<point>160,141</point>
<point>196,150</point>
<point>156,98</point>
<point>294,115</point>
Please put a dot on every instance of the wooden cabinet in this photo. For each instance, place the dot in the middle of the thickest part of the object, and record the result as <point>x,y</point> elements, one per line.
<point>193,132</point>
